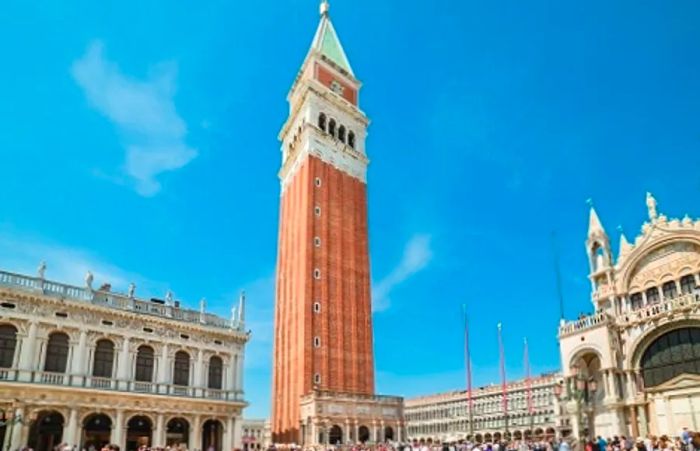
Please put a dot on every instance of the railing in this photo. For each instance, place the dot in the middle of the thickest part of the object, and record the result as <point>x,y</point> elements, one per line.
<point>113,300</point>
<point>686,301</point>
<point>588,322</point>
<point>13,375</point>
<point>683,302</point>
<point>53,378</point>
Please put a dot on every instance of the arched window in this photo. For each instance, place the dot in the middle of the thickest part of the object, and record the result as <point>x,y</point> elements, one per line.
<point>216,367</point>
<point>676,352</point>
<point>181,375</point>
<point>670,290</point>
<point>652,295</point>
<point>104,359</point>
<point>341,133</point>
<point>57,353</point>
<point>637,301</point>
<point>688,284</point>
<point>8,343</point>
<point>322,121</point>
<point>351,139</point>
<point>144,364</point>
<point>331,127</point>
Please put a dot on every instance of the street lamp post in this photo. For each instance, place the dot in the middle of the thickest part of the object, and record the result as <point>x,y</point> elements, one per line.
<point>581,393</point>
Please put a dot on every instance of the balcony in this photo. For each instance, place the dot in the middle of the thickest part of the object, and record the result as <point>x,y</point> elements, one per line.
<point>44,378</point>
<point>686,302</point>
<point>586,323</point>
<point>112,300</point>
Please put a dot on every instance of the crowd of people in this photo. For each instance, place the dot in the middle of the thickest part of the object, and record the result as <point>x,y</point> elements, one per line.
<point>686,441</point>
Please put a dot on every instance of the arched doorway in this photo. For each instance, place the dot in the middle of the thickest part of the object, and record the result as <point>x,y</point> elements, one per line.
<point>139,432</point>
<point>479,438</point>
<point>363,434</point>
<point>670,355</point>
<point>527,435</point>
<point>335,435</point>
<point>517,435</point>
<point>177,432</point>
<point>549,433</point>
<point>497,437</point>
<point>212,435</point>
<point>539,434</point>
<point>488,438</point>
<point>97,429</point>
<point>388,434</point>
<point>46,431</point>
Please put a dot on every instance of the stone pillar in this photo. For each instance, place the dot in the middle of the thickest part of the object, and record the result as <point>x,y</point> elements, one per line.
<point>643,426</point>
<point>118,430</point>
<point>239,371</point>
<point>381,437</point>
<point>237,433</point>
<point>231,379</point>
<point>198,372</point>
<point>79,363</point>
<point>159,433</point>
<point>375,432</point>
<point>124,366</point>
<point>163,370</point>
<point>16,431</point>
<point>70,430</point>
<point>314,435</point>
<point>634,425</point>
<point>397,437</point>
<point>230,435</point>
<point>196,434</point>
<point>28,354</point>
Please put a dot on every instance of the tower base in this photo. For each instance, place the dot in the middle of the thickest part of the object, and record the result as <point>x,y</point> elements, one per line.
<point>334,418</point>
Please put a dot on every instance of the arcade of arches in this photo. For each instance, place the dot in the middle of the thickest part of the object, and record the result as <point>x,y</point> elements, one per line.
<point>44,427</point>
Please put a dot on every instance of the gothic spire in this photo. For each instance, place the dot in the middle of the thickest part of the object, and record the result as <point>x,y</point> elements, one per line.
<point>595,227</point>
<point>625,246</point>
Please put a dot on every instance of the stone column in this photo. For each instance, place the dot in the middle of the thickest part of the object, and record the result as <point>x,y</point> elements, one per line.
<point>196,434</point>
<point>16,431</point>
<point>314,435</point>
<point>237,433</point>
<point>643,424</point>
<point>70,430</point>
<point>634,425</point>
<point>381,437</point>
<point>239,371</point>
<point>229,437</point>
<point>198,372</point>
<point>28,354</point>
<point>231,379</point>
<point>159,432</point>
<point>375,432</point>
<point>397,437</point>
<point>78,364</point>
<point>124,366</point>
<point>163,370</point>
<point>118,429</point>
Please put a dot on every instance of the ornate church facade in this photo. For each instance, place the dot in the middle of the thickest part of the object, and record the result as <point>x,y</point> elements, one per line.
<point>323,379</point>
<point>87,367</point>
<point>633,367</point>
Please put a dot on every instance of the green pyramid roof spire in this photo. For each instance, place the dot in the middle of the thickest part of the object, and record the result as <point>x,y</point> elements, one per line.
<point>326,41</point>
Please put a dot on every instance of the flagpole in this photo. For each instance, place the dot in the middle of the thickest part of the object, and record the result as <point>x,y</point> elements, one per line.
<point>557,274</point>
<point>528,382</point>
<point>504,388</point>
<point>468,367</point>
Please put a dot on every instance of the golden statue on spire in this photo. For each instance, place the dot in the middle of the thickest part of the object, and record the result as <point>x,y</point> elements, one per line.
<point>325,7</point>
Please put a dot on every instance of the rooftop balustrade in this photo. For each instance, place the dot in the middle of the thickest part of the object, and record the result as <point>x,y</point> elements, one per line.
<point>114,300</point>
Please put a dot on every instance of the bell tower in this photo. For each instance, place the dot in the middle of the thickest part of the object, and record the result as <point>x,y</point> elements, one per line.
<point>323,322</point>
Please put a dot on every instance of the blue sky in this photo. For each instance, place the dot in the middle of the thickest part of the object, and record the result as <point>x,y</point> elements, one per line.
<point>138,140</point>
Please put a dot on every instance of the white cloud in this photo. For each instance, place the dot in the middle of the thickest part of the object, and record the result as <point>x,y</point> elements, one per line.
<point>143,112</point>
<point>416,256</point>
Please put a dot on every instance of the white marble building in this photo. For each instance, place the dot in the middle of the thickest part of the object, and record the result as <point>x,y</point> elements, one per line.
<point>89,366</point>
<point>532,413</point>
<point>633,367</point>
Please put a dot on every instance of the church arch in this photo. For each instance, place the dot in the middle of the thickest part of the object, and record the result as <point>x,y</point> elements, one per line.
<point>322,121</point>
<point>633,359</point>
<point>673,353</point>
<point>335,435</point>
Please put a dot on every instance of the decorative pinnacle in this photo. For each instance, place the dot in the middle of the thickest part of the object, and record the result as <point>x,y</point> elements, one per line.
<point>325,7</point>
